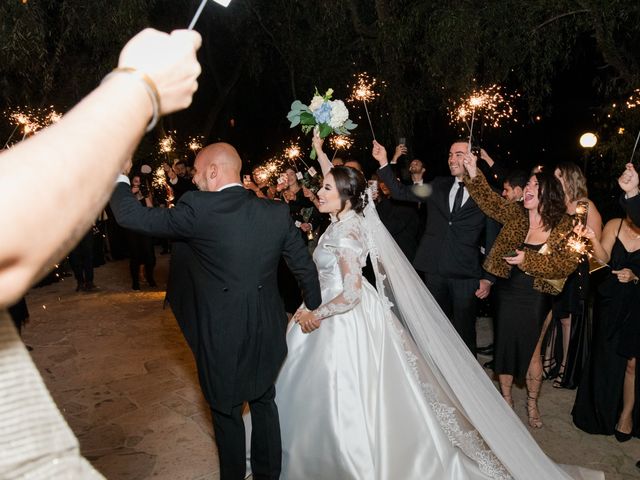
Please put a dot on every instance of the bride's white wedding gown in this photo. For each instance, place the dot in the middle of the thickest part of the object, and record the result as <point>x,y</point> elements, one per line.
<point>358,399</point>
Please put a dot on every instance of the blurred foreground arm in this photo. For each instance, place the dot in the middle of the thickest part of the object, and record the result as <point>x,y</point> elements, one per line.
<point>64,175</point>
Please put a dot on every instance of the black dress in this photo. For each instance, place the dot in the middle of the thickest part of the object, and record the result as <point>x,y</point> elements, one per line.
<point>520,314</point>
<point>616,338</point>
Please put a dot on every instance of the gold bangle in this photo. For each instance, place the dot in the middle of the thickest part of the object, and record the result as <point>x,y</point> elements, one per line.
<point>149,86</point>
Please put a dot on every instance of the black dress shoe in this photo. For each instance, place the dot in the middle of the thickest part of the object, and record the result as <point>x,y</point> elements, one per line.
<point>621,436</point>
<point>490,364</point>
<point>638,464</point>
<point>486,350</point>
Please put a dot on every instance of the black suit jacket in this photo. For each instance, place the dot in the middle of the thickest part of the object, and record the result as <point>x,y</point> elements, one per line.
<point>450,245</point>
<point>223,283</point>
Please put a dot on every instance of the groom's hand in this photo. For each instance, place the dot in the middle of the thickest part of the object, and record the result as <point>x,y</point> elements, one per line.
<point>307,320</point>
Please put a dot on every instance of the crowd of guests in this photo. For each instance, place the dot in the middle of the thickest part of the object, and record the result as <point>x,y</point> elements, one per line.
<point>514,236</point>
<point>487,232</point>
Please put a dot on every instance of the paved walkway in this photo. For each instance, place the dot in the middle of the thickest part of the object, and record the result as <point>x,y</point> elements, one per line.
<point>119,369</point>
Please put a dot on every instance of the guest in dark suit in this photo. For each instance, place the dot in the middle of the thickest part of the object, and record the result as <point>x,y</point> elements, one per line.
<point>399,218</point>
<point>449,252</point>
<point>223,291</point>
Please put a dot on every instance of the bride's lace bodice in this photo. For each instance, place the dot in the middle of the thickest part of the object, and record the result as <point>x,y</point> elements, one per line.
<point>339,257</point>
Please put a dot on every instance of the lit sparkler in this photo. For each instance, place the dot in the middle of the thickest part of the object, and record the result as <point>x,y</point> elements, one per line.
<point>582,248</point>
<point>167,144</point>
<point>31,120</point>
<point>293,153</point>
<point>363,92</point>
<point>159,180</point>
<point>195,143</point>
<point>493,102</point>
<point>341,142</point>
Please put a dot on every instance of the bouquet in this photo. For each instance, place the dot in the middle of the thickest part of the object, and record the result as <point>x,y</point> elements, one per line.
<point>329,116</point>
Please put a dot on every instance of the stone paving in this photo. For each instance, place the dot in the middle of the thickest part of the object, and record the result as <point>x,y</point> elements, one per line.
<point>119,369</point>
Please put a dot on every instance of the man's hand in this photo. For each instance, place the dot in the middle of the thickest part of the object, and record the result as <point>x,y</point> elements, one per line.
<point>307,320</point>
<point>379,153</point>
<point>400,150</point>
<point>484,289</point>
<point>485,156</point>
<point>628,181</point>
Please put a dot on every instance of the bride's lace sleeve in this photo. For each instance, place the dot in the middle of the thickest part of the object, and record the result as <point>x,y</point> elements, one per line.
<point>348,251</point>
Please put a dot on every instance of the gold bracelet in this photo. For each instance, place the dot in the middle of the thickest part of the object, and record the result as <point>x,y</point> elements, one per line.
<point>149,86</point>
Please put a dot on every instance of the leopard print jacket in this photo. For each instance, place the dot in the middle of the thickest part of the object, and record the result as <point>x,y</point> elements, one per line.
<point>556,263</point>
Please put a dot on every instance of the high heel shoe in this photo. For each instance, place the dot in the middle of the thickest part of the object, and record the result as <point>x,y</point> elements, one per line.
<point>621,436</point>
<point>533,413</point>
<point>557,383</point>
<point>548,367</point>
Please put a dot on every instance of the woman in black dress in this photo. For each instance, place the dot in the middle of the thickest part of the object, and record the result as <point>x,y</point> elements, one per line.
<point>529,251</point>
<point>568,338</point>
<point>606,399</point>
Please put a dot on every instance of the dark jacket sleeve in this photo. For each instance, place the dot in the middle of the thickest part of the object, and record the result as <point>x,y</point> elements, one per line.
<point>178,222</point>
<point>399,191</point>
<point>632,207</point>
<point>299,261</point>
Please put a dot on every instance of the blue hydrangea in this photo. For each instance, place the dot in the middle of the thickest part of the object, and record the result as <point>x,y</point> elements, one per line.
<point>323,114</point>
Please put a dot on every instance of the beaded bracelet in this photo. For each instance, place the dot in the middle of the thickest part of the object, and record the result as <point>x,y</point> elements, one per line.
<point>149,86</point>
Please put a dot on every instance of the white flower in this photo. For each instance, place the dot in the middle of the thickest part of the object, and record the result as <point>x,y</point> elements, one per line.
<point>339,114</point>
<point>316,101</point>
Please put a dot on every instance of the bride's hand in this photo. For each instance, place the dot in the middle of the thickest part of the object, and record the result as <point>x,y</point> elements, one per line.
<point>317,141</point>
<point>307,320</point>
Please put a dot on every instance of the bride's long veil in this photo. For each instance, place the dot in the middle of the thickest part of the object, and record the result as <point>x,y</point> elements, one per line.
<point>482,414</point>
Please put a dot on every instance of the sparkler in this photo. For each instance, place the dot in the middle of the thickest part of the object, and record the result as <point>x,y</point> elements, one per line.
<point>195,143</point>
<point>167,144</point>
<point>581,247</point>
<point>31,120</point>
<point>338,142</point>
<point>224,3</point>
<point>159,180</point>
<point>363,91</point>
<point>493,102</point>
<point>293,153</point>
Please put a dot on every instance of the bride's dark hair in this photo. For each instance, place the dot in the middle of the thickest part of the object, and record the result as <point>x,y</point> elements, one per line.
<point>351,186</point>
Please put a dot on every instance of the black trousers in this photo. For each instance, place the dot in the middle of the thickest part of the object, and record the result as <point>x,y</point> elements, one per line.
<point>266,447</point>
<point>81,259</point>
<point>457,299</point>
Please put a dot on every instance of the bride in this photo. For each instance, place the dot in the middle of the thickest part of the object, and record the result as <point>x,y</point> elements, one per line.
<point>361,397</point>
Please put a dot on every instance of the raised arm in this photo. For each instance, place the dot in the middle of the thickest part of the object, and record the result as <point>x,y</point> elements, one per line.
<point>64,174</point>
<point>492,204</point>
<point>629,183</point>
<point>398,190</point>
<point>323,159</point>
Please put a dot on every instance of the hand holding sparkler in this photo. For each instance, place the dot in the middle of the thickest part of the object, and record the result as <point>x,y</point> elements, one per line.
<point>629,181</point>
<point>471,164</point>
<point>168,62</point>
<point>379,153</point>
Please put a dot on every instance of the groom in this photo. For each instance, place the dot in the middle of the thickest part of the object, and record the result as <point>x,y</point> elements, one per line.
<point>223,291</point>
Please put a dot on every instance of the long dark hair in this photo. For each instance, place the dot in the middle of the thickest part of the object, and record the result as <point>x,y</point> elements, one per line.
<point>351,186</point>
<point>551,200</point>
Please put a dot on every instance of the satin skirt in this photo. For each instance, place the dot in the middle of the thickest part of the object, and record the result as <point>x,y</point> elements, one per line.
<point>352,405</point>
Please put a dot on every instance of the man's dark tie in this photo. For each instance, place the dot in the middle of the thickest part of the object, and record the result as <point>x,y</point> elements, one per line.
<point>457,202</point>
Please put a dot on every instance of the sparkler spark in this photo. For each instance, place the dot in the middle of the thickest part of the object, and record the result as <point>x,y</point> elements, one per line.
<point>167,143</point>
<point>493,102</point>
<point>341,142</point>
<point>292,151</point>
<point>195,143</point>
<point>30,120</point>
<point>363,91</point>
<point>363,88</point>
<point>159,180</point>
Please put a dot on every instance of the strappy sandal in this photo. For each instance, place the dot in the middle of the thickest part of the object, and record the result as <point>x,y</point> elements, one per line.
<point>548,367</point>
<point>507,396</point>
<point>533,413</point>
<point>557,383</point>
